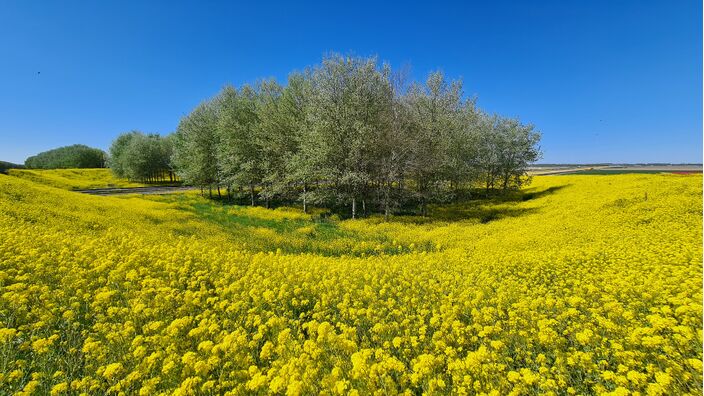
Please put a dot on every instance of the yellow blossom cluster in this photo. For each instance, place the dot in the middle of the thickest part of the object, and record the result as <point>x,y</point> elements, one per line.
<point>577,285</point>
<point>74,179</point>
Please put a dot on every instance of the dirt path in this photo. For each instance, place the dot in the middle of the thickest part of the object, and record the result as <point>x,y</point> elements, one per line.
<point>136,190</point>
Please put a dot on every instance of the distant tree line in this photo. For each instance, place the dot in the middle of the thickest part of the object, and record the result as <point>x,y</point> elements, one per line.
<point>75,156</point>
<point>351,132</point>
<point>5,166</point>
<point>142,157</point>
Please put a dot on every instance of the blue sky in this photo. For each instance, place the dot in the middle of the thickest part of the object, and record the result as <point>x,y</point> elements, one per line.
<point>611,81</point>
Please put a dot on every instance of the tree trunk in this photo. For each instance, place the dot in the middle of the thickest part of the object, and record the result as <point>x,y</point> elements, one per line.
<point>305,198</point>
<point>354,207</point>
<point>219,196</point>
<point>251,193</point>
<point>387,192</point>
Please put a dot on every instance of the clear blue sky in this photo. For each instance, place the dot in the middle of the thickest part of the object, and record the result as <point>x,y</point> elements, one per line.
<point>616,81</point>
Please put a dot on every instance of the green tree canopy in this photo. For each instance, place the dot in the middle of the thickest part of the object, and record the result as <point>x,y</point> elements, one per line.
<point>352,133</point>
<point>75,156</point>
<point>145,157</point>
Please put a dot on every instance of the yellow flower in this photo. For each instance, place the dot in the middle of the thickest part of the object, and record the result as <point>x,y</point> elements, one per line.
<point>636,378</point>
<point>514,376</point>
<point>7,334</point>
<point>576,285</point>
<point>112,370</point>
<point>42,345</point>
<point>584,337</point>
<point>59,388</point>
<point>397,342</point>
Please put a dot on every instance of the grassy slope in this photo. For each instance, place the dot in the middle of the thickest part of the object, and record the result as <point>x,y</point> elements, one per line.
<point>285,229</point>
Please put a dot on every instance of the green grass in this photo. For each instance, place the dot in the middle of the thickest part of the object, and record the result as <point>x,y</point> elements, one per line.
<point>285,229</point>
<point>291,231</point>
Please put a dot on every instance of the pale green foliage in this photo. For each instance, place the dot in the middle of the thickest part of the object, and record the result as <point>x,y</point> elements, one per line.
<point>195,144</point>
<point>136,156</point>
<point>349,133</point>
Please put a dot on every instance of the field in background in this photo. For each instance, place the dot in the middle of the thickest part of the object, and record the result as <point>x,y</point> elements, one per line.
<point>73,179</point>
<point>79,179</point>
<point>577,284</point>
<point>613,169</point>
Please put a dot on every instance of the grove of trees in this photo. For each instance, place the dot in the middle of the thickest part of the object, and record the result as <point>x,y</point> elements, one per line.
<point>75,156</point>
<point>348,134</point>
<point>143,157</point>
<point>352,133</point>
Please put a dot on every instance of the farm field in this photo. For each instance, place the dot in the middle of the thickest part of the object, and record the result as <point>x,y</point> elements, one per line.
<point>614,169</point>
<point>578,284</point>
<point>75,179</point>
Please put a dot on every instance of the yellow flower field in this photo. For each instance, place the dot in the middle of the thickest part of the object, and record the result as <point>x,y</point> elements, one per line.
<point>74,179</point>
<point>579,285</point>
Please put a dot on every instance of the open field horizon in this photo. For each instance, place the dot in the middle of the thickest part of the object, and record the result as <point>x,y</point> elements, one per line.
<point>656,165</point>
<point>609,168</point>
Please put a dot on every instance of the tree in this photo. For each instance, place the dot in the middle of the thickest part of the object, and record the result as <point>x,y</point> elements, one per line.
<point>137,156</point>
<point>391,147</point>
<point>299,170</point>
<point>195,146</point>
<point>148,158</point>
<point>517,149</point>
<point>505,150</point>
<point>434,108</point>
<point>239,161</point>
<point>117,161</point>
<point>273,139</point>
<point>348,107</point>
<point>462,150</point>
